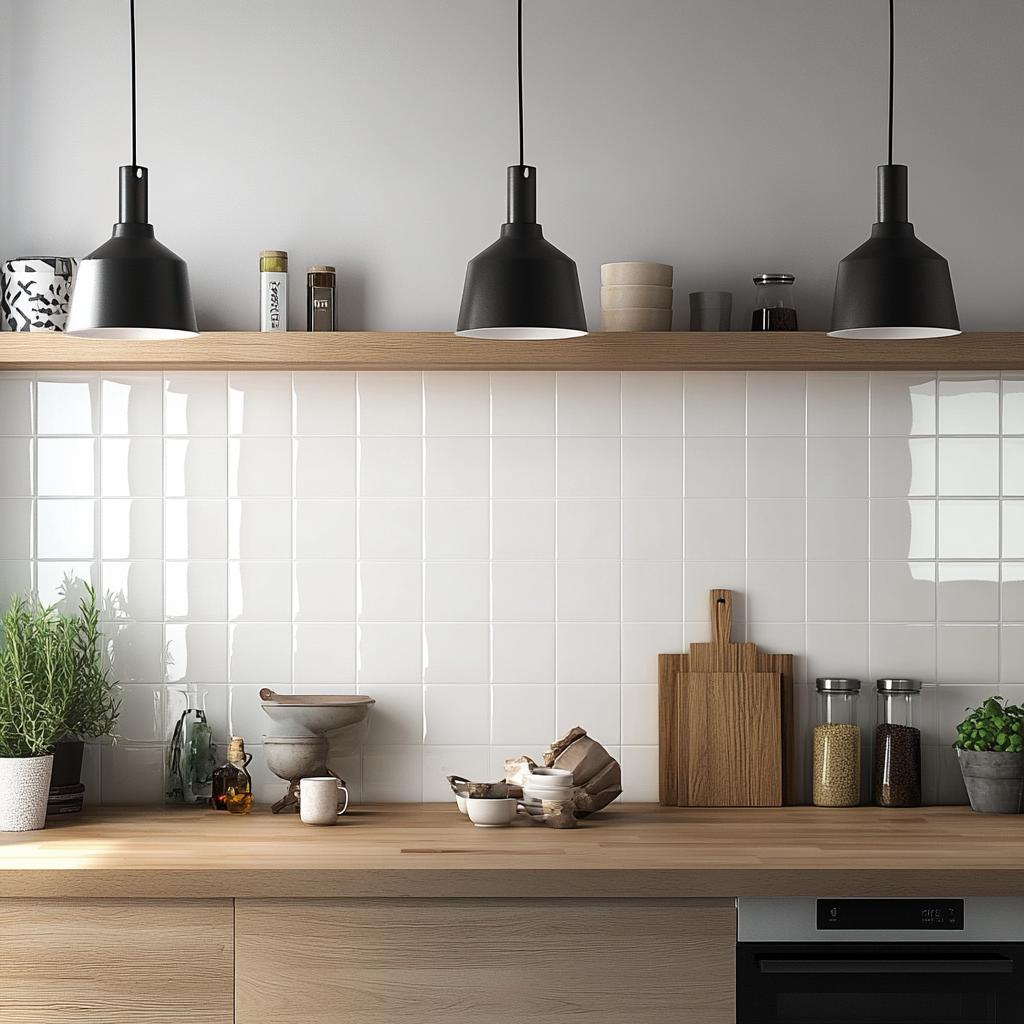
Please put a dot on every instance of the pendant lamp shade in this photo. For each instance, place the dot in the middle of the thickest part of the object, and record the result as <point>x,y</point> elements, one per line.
<point>132,287</point>
<point>522,287</point>
<point>893,286</point>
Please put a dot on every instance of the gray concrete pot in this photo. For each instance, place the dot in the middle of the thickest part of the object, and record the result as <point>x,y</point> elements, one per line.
<point>994,780</point>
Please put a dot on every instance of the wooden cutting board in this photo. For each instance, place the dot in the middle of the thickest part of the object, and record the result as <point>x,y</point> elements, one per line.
<point>725,729</point>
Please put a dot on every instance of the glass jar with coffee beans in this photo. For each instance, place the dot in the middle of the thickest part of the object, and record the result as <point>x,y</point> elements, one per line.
<point>897,758</point>
<point>773,305</point>
<point>836,741</point>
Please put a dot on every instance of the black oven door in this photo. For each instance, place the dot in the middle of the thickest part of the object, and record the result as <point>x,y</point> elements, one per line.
<point>885,983</point>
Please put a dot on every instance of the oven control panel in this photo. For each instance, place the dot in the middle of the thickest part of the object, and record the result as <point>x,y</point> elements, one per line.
<point>904,914</point>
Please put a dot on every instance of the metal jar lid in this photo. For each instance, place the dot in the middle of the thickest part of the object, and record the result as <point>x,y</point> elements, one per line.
<point>774,279</point>
<point>833,685</point>
<point>898,685</point>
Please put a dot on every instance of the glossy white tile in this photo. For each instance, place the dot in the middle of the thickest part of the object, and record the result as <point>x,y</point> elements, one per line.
<point>324,591</point>
<point>715,528</point>
<point>589,402</point>
<point>715,403</point>
<point>523,528</point>
<point>589,467</point>
<point>902,467</point>
<point>389,652</point>
<point>968,592</point>
<point>259,402</point>
<point>523,714</point>
<point>16,403</point>
<point>260,652</point>
<point>837,528</point>
<point>522,403</point>
<point>197,591</point>
<point>588,591</point>
<point>900,650</point>
<point>390,591</point>
<point>588,527</point>
<point>776,403</point>
<point>837,591</point>
<point>639,715</point>
<point>775,592</point>
<point>16,467</point>
<point>967,654</point>
<point>136,652</point>
<point>652,402</point>
<point>902,529</point>
<point>968,404</point>
<point>776,528</point>
<point>641,643</point>
<point>458,467</point>
<point>522,652</point>
<point>66,527</point>
<point>651,528</point>
<point>196,652</point>
<point>140,718</point>
<point>131,528</point>
<point>902,403</point>
<point>52,579</point>
<point>900,594</point>
<point>131,467</point>
<point>837,467</point>
<point>1012,591</point>
<point>1013,403</point>
<point>457,591</point>
<point>456,652</point>
<point>639,773</point>
<point>136,588</point>
<point>390,467</point>
<point>1013,529</point>
<point>457,402</point>
<point>325,527</point>
<point>776,467</point>
<point>397,716</point>
<point>587,652</point>
<point>260,591</point>
<point>325,467</point>
<point>324,402</point>
<point>1011,662</point>
<point>65,466</point>
<point>196,467</point>
<point>16,537</point>
<point>715,467</point>
<point>969,466</point>
<point>1013,466</point>
<point>195,402</point>
<point>132,774</point>
<point>969,529</point>
<point>260,467</point>
<point>837,649</point>
<point>456,528</point>
<point>523,467</point>
<point>324,653</point>
<point>390,528</point>
<point>196,528</point>
<point>837,403</point>
<point>392,773</point>
<point>595,707</point>
<point>652,467</point>
<point>259,528</point>
<point>456,713</point>
<point>652,591</point>
<point>67,404</point>
<point>389,402</point>
<point>471,762</point>
<point>522,591</point>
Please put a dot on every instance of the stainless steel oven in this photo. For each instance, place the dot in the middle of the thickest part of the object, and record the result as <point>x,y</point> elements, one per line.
<point>880,961</point>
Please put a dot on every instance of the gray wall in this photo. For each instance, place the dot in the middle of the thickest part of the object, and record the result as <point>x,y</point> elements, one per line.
<point>722,136</point>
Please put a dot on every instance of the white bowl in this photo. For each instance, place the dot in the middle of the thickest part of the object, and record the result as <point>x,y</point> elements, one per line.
<point>335,713</point>
<point>460,802</point>
<point>490,813</point>
<point>550,777</point>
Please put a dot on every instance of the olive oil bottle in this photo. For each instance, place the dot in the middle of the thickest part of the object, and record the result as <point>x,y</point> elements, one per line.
<point>232,786</point>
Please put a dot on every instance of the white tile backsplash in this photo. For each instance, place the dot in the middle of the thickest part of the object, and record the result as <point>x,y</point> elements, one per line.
<point>499,556</point>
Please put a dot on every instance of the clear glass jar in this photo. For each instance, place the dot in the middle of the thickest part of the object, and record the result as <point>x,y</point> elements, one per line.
<point>191,753</point>
<point>897,760</point>
<point>836,744</point>
<point>773,304</point>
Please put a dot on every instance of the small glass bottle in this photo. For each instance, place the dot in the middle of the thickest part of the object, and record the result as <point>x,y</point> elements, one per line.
<point>232,785</point>
<point>273,290</point>
<point>320,286</point>
<point>836,744</point>
<point>773,305</point>
<point>191,757</point>
<point>897,760</point>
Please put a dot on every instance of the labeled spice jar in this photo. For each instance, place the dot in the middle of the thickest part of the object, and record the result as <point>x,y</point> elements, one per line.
<point>836,744</point>
<point>320,285</point>
<point>897,759</point>
<point>273,290</point>
<point>773,305</point>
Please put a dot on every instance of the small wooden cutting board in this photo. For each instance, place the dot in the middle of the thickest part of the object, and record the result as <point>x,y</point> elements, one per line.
<point>725,730</point>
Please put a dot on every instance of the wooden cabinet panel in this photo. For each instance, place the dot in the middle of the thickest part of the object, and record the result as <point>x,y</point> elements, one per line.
<point>145,961</point>
<point>409,961</point>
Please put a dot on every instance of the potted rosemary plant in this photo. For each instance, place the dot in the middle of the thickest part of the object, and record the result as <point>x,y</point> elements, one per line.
<point>51,684</point>
<point>990,748</point>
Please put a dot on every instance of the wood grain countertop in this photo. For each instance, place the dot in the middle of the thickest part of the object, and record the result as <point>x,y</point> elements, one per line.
<point>430,850</point>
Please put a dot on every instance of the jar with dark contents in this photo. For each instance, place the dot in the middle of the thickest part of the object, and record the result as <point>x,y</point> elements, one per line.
<point>897,760</point>
<point>773,305</point>
<point>835,754</point>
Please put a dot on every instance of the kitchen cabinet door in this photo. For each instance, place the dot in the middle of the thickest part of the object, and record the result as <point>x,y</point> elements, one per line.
<point>130,961</point>
<point>504,961</point>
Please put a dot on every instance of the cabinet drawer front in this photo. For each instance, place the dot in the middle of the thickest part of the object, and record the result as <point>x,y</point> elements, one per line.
<point>409,961</point>
<point>145,961</point>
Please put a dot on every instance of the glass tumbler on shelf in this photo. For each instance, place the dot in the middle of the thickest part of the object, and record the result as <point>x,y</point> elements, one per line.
<point>773,304</point>
<point>836,744</point>
<point>897,760</point>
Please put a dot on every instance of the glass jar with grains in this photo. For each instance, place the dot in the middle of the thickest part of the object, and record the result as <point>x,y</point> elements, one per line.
<point>897,761</point>
<point>836,744</point>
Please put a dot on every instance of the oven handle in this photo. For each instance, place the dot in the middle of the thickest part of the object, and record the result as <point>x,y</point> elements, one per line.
<point>998,965</point>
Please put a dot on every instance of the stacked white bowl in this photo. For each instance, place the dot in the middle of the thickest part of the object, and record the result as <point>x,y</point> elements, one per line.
<point>546,784</point>
<point>636,297</point>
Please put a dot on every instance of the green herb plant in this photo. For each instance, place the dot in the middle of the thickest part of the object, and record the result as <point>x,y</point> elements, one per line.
<point>994,726</point>
<point>52,681</point>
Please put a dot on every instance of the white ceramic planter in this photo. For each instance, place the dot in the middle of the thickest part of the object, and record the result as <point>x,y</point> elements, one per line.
<point>24,787</point>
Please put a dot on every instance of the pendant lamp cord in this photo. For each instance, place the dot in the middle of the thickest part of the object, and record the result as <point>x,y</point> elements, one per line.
<point>521,160</point>
<point>135,161</point>
<point>892,60</point>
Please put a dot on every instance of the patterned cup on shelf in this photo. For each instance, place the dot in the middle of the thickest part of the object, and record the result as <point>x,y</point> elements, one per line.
<point>36,293</point>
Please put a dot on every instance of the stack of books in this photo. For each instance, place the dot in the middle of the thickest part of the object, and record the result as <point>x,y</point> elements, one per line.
<point>65,799</point>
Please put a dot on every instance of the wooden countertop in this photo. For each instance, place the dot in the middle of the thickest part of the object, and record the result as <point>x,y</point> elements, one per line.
<point>430,850</point>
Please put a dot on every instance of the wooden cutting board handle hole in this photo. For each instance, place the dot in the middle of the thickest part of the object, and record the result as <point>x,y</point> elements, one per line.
<point>721,617</point>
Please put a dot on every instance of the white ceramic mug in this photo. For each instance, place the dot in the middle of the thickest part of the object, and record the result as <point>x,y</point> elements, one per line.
<point>318,800</point>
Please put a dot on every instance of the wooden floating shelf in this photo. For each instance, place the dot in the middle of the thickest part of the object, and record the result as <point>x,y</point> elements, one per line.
<point>379,350</point>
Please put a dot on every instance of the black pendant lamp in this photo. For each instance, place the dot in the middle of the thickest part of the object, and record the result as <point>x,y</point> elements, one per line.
<point>132,287</point>
<point>522,288</point>
<point>893,286</point>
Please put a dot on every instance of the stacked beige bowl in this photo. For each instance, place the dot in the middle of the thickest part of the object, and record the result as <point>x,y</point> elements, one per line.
<point>636,297</point>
